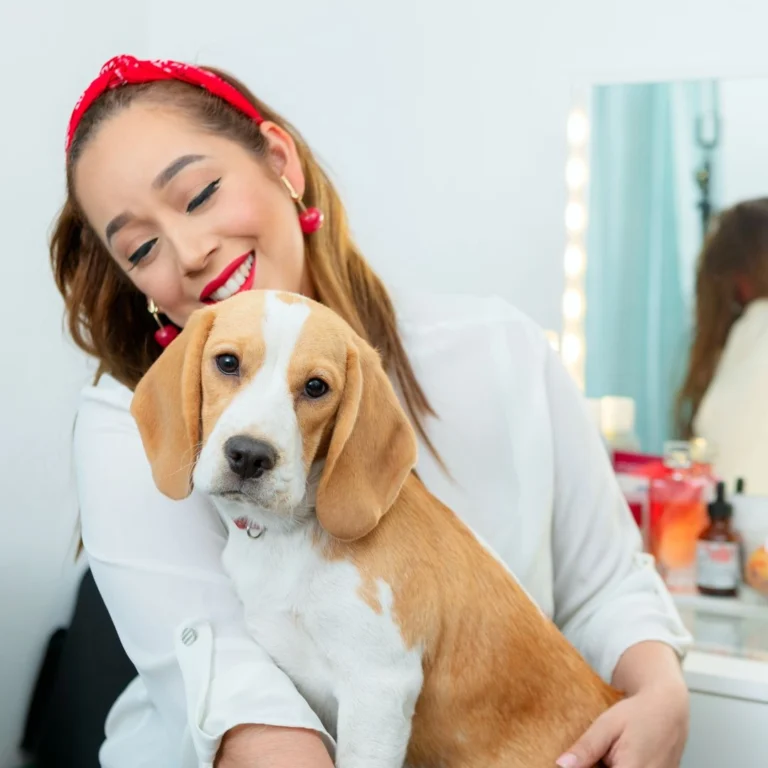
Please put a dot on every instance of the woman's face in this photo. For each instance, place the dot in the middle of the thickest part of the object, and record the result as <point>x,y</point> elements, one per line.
<point>192,217</point>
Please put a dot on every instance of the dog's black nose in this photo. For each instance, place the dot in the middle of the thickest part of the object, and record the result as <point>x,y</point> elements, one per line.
<point>248,457</point>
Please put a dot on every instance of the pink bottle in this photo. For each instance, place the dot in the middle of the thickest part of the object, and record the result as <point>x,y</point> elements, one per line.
<point>678,515</point>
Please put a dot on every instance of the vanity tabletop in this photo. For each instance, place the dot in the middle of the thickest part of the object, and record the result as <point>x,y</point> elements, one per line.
<point>729,656</point>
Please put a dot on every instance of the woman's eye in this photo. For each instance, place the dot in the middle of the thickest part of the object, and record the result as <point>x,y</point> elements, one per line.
<point>197,201</point>
<point>228,364</point>
<point>315,388</point>
<point>140,253</point>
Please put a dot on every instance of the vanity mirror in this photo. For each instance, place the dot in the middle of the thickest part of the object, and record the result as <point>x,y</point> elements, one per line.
<point>663,177</point>
<point>651,170</point>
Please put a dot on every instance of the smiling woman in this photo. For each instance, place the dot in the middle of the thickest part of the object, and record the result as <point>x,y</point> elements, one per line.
<point>183,190</point>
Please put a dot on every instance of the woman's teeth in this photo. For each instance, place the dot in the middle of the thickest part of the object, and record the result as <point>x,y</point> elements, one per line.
<point>235,283</point>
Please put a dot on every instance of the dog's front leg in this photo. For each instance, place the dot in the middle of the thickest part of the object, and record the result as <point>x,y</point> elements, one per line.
<point>374,723</point>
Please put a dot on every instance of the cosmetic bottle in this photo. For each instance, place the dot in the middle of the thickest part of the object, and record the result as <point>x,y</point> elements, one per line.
<point>678,515</point>
<point>718,551</point>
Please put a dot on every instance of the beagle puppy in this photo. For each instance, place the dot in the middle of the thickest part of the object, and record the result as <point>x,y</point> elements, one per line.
<point>409,638</point>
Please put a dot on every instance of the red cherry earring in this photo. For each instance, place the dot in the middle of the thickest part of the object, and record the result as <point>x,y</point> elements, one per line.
<point>165,333</point>
<point>310,219</point>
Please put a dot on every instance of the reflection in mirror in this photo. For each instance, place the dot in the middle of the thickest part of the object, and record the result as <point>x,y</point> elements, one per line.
<point>676,287</point>
<point>666,162</point>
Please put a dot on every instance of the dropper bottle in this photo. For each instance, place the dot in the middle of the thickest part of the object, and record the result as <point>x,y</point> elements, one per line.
<point>718,550</point>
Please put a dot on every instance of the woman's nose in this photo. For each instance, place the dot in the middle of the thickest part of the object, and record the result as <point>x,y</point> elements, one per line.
<point>194,253</point>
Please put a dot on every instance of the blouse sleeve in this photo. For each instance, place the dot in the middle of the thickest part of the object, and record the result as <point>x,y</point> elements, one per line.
<point>608,595</point>
<point>157,564</point>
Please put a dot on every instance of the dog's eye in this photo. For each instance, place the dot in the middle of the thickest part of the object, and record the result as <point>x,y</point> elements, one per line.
<point>315,388</point>
<point>228,364</point>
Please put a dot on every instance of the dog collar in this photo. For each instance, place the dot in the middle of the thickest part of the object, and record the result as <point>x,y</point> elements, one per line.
<point>253,530</point>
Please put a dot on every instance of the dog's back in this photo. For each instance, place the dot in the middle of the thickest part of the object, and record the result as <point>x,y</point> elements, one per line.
<point>502,685</point>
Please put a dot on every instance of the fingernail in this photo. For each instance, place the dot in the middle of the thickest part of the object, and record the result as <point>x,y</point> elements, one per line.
<point>567,761</point>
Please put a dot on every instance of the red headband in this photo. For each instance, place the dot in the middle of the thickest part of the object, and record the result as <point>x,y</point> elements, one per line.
<point>125,70</point>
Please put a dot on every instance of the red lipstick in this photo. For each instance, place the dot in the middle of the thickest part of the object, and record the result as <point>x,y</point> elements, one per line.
<point>226,273</point>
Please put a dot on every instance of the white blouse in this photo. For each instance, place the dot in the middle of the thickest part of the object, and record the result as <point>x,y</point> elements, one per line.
<point>733,416</point>
<point>529,475</point>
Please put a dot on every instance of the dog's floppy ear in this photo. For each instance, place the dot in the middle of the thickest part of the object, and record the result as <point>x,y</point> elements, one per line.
<point>371,452</point>
<point>166,406</point>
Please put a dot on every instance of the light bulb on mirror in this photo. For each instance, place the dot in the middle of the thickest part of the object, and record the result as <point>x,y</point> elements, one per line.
<point>574,260</point>
<point>575,217</point>
<point>571,348</point>
<point>573,304</point>
<point>578,128</point>
<point>575,174</point>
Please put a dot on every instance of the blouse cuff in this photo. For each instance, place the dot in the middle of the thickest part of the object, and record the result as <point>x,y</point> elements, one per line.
<point>230,682</point>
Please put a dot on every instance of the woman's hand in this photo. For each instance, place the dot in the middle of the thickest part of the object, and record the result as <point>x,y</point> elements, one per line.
<point>267,746</point>
<point>647,730</point>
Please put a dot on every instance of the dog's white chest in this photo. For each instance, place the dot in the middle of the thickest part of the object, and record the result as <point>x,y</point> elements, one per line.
<point>308,613</point>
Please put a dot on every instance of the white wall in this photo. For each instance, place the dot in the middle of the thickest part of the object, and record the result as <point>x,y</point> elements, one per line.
<point>46,57</point>
<point>744,156</point>
<point>443,123</point>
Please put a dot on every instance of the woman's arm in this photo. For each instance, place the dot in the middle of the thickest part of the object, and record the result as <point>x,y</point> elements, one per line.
<point>649,665</point>
<point>275,747</point>
<point>609,599</point>
<point>158,567</point>
<point>608,595</point>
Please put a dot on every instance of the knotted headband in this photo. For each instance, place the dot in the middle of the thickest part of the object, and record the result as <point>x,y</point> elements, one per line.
<point>127,70</point>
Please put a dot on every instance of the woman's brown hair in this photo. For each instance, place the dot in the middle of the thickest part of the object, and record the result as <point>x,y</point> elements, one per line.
<point>732,270</point>
<point>107,316</point>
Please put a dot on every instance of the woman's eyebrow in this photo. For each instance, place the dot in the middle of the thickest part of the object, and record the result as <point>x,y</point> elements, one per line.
<point>116,225</point>
<point>165,176</point>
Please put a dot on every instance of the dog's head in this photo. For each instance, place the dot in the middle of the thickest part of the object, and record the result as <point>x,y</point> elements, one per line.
<point>258,390</point>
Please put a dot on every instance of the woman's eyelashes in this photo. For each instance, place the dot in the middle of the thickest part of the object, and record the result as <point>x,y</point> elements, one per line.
<point>144,250</point>
<point>198,200</point>
<point>140,253</point>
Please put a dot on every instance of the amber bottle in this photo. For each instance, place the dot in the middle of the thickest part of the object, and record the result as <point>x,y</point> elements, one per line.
<point>718,551</point>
